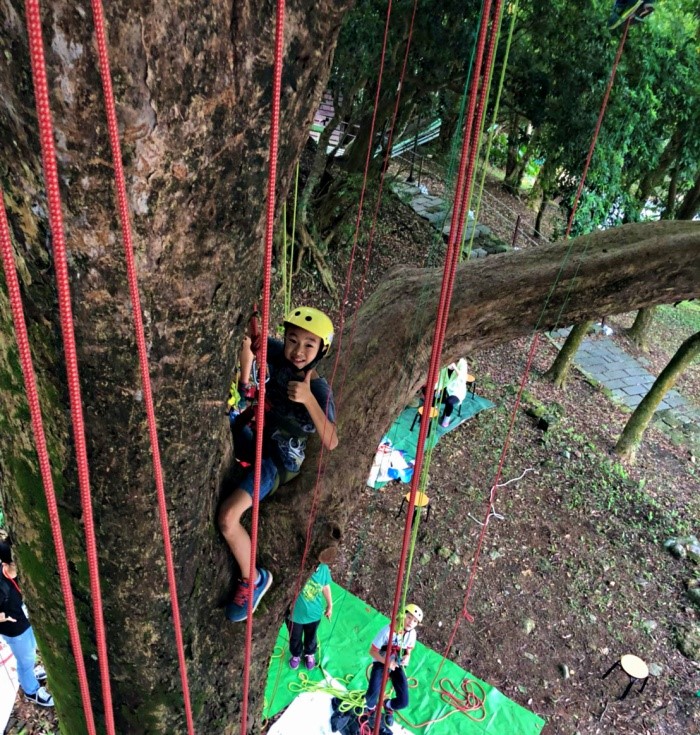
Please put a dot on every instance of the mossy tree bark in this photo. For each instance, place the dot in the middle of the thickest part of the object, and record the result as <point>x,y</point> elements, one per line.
<point>639,331</point>
<point>193,88</point>
<point>559,370</point>
<point>633,433</point>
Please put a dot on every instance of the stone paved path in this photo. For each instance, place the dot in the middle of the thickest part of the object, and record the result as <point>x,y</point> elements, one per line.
<point>628,382</point>
<point>439,213</point>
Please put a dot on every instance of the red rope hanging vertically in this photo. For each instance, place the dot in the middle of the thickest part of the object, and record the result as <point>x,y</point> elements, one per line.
<point>262,354</point>
<point>36,50</point>
<point>531,354</point>
<point>123,208</point>
<point>474,146</point>
<point>598,126</point>
<point>313,511</point>
<point>451,257</point>
<point>25,357</point>
<point>358,219</point>
<point>344,301</point>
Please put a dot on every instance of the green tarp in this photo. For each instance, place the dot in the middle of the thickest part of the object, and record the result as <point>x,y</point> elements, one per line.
<point>401,439</point>
<point>343,654</point>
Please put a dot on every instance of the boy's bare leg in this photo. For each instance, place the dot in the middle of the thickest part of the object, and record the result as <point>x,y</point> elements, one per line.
<point>233,531</point>
<point>246,360</point>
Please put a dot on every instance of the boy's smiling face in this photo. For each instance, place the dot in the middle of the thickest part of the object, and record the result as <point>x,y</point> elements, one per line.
<point>300,346</point>
<point>410,622</point>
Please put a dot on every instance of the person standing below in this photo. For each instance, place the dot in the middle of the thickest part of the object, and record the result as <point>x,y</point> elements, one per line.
<point>399,653</point>
<point>307,612</point>
<point>18,634</point>
<point>455,390</point>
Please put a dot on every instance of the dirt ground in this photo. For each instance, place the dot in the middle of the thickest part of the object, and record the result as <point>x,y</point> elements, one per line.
<point>574,574</point>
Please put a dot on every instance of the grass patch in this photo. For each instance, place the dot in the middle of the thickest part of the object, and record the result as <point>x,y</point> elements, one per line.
<point>685,315</point>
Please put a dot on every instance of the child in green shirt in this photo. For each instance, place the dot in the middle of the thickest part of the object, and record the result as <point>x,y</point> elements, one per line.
<point>306,616</point>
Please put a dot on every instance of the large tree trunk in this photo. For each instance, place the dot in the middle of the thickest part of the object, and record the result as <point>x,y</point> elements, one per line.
<point>193,91</point>
<point>193,88</point>
<point>631,437</point>
<point>690,205</point>
<point>559,369</point>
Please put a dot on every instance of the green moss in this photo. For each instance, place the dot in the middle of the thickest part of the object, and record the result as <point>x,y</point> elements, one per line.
<point>25,504</point>
<point>151,716</point>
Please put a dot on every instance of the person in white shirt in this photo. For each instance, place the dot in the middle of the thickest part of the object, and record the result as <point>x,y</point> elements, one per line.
<point>399,654</point>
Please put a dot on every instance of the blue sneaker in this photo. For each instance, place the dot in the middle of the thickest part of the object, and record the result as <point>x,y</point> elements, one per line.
<point>388,714</point>
<point>237,610</point>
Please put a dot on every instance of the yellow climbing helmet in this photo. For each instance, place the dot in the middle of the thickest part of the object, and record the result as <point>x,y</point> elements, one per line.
<point>314,321</point>
<point>414,610</point>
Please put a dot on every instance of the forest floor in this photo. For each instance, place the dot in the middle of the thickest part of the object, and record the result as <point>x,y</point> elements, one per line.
<point>575,573</point>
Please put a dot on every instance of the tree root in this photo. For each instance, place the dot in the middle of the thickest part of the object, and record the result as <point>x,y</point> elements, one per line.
<point>307,242</point>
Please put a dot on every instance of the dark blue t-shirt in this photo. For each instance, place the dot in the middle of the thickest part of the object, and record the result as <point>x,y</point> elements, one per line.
<point>288,423</point>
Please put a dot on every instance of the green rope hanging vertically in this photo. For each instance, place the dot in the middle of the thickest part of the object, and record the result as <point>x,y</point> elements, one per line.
<point>288,250</point>
<point>425,474</point>
<point>513,10</point>
<point>454,148</point>
<point>285,288</point>
<point>288,293</point>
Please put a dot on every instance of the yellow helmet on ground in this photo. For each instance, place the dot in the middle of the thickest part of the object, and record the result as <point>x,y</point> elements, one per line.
<point>414,610</point>
<point>314,321</point>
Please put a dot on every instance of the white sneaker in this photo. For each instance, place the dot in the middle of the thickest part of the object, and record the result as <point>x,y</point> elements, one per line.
<point>40,697</point>
<point>40,673</point>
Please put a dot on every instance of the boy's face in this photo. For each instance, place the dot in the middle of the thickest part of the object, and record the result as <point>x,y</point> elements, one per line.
<point>409,622</point>
<point>300,346</point>
<point>9,570</point>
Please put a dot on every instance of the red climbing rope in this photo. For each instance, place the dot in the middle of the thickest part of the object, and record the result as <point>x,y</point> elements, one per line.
<point>598,126</point>
<point>313,511</point>
<point>375,216</point>
<point>30,386</point>
<point>382,177</point>
<point>531,354</point>
<point>473,126</point>
<point>36,50</point>
<point>262,361</point>
<point>360,206</point>
<point>451,257</point>
<point>123,207</point>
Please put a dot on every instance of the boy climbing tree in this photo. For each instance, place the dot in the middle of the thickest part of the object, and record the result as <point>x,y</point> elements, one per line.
<point>298,402</point>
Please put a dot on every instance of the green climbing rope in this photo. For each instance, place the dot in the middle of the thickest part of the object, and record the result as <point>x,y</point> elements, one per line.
<point>513,10</point>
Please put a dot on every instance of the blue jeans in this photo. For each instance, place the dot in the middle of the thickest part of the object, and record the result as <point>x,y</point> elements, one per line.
<point>398,679</point>
<point>23,646</point>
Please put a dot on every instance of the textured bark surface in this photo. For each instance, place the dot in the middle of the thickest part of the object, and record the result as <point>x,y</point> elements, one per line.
<point>192,82</point>
<point>639,331</point>
<point>559,370</point>
<point>193,86</point>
